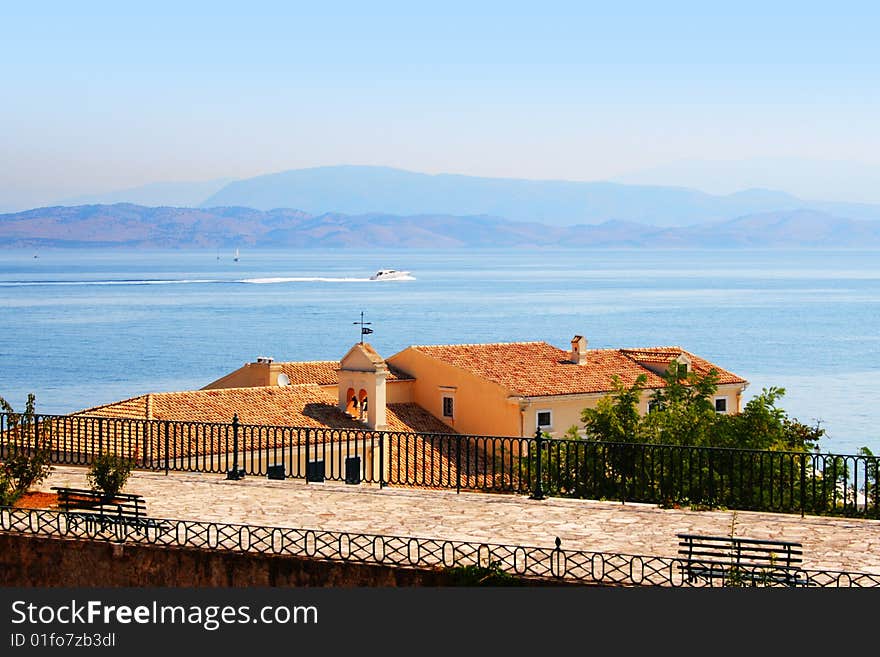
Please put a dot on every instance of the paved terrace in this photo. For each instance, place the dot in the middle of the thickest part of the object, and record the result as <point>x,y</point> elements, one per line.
<point>829,543</point>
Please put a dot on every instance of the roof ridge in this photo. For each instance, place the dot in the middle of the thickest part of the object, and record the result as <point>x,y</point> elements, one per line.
<point>222,390</point>
<point>481,344</point>
<point>302,362</point>
<point>115,403</point>
<point>667,347</point>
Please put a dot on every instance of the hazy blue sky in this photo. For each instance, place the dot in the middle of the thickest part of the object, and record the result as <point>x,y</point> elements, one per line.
<point>99,95</point>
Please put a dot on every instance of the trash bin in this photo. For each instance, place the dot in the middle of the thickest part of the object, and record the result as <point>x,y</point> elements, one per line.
<point>315,471</point>
<point>353,470</point>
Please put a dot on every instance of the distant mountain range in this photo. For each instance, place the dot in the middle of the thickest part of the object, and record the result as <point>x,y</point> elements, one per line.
<point>365,189</point>
<point>832,180</point>
<point>139,226</point>
<point>156,194</point>
<point>359,190</point>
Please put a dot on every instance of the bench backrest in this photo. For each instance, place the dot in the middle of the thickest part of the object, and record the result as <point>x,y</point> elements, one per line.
<point>119,504</point>
<point>727,550</point>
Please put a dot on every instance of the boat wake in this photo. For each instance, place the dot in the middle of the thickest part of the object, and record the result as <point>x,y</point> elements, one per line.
<point>192,281</point>
<point>302,279</point>
<point>113,282</point>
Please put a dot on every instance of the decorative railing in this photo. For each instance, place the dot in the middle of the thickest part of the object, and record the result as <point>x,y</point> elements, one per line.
<point>759,480</point>
<point>554,563</point>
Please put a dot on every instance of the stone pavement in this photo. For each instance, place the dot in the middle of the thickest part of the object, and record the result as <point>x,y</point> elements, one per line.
<point>828,543</point>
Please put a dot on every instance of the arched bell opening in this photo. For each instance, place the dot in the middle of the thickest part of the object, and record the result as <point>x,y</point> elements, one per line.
<point>352,404</point>
<point>362,403</point>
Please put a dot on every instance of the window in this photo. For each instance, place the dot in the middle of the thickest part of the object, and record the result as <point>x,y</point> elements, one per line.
<point>721,404</point>
<point>447,407</point>
<point>653,406</point>
<point>545,419</point>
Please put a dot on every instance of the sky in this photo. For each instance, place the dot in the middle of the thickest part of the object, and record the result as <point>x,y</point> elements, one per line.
<point>98,96</point>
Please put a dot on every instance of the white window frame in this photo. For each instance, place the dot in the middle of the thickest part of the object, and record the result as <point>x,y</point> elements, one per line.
<point>451,399</point>
<point>726,404</point>
<point>537,420</point>
<point>447,391</point>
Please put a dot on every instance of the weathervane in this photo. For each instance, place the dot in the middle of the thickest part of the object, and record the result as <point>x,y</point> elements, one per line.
<point>364,329</point>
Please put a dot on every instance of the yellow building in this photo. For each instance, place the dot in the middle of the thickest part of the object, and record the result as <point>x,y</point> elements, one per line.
<point>422,404</point>
<point>497,389</point>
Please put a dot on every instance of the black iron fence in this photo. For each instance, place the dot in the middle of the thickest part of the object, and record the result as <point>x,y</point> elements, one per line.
<point>523,561</point>
<point>760,480</point>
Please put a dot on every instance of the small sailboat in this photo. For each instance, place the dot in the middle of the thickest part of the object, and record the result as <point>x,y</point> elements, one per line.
<point>235,257</point>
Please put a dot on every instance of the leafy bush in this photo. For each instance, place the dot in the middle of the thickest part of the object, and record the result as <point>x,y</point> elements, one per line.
<point>27,449</point>
<point>109,473</point>
<point>23,469</point>
<point>7,497</point>
<point>474,575</point>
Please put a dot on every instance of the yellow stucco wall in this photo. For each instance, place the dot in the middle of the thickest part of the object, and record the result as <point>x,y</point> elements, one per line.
<point>566,409</point>
<point>565,412</point>
<point>480,407</point>
<point>399,392</point>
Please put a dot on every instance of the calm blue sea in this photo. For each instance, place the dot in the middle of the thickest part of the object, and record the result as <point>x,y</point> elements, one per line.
<point>85,327</point>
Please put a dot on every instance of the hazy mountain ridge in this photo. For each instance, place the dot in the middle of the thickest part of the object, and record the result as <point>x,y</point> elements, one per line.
<point>156,194</point>
<point>171,227</point>
<point>357,190</point>
<point>832,180</point>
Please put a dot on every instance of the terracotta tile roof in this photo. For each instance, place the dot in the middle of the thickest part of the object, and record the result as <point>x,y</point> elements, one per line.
<point>653,354</point>
<point>323,372</point>
<point>533,369</point>
<point>666,354</point>
<point>412,417</point>
<point>319,372</point>
<point>290,406</point>
<point>371,353</point>
<point>136,407</point>
<point>295,405</point>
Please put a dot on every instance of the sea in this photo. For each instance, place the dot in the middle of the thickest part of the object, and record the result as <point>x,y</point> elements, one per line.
<point>83,327</point>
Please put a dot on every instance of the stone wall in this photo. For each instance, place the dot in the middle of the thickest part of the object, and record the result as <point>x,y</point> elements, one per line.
<point>49,562</point>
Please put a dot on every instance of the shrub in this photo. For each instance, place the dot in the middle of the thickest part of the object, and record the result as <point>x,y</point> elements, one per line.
<point>474,575</point>
<point>109,473</point>
<point>7,496</point>
<point>23,469</point>
<point>27,460</point>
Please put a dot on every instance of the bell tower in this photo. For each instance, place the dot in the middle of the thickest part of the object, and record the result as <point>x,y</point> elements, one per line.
<point>362,374</point>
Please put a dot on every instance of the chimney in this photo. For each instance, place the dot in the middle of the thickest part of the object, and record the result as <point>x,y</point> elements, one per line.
<point>260,371</point>
<point>578,354</point>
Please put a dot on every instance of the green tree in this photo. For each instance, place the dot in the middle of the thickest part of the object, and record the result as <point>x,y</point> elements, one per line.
<point>682,412</point>
<point>25,450</point>
<point>683,417</point>
<point>871,489</point>
<point>616,418</point>
<point>762,424</point>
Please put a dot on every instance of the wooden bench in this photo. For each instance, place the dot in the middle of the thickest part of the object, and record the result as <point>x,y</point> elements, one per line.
<point>105,510</point>
<point>741,561</point>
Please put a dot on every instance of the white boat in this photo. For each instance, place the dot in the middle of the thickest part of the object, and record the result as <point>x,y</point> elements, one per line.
<point>390,275</point>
